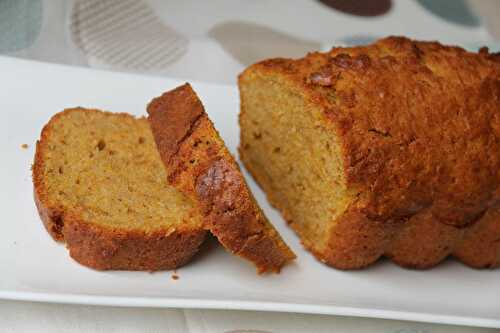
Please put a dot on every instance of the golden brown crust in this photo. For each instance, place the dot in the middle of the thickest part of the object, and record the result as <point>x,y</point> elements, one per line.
<point>198,163</point>
<point>419,125</point>
<point>169,131</point>
<point>103,248</point>
<point>50,216</point>
<point>422,242</point>
<point>480,245</point>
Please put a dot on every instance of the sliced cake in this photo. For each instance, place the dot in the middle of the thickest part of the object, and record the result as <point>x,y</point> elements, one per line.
<point>101,188</point>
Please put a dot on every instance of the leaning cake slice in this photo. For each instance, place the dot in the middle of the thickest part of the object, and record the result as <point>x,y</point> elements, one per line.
<point>199,165</point>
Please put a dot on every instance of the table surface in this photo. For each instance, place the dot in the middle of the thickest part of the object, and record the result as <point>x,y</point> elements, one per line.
<point>229,34</point>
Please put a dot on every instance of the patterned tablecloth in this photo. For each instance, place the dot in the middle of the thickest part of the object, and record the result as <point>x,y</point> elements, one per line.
<point>213,41</point>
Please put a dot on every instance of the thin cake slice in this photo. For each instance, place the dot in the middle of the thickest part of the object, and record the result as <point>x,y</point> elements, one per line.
<point>199,164</point>
<point>100,187</point>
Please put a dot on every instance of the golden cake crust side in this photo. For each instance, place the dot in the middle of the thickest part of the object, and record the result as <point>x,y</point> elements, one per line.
<point>480,244</point>
<point>199,165</point>
<point>419,126</point>
<point>104,248</point>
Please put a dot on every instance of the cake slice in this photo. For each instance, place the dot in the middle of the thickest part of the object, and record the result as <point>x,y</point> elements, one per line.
<point>200,166</point>
<point>100,187</point>
<point>390,149</point>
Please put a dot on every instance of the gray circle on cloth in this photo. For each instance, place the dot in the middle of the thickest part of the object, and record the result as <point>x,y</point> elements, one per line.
<point>125,34</point>
<point>20,24</point>
<point>454,11</point>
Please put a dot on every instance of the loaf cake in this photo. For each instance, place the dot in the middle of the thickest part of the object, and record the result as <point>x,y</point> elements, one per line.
<point>101,188</point>
<point>200,166</point>
<point>390,149</point>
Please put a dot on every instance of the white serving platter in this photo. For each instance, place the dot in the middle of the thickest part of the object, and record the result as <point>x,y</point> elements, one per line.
<point>33,267</point>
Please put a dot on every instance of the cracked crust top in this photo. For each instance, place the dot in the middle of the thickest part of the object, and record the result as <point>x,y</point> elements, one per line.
<point>399,99</point>
<point>199,164</point>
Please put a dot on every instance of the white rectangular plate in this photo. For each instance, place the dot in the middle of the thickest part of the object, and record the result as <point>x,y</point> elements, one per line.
<point>33,267</point>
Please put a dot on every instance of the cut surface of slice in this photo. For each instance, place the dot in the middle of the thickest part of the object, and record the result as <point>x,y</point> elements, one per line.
<point>199,164</point>
<point>101,188</point>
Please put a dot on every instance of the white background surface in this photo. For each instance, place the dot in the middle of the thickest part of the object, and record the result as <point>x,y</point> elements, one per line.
<point>54,45</point>
<point>38,268</point>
